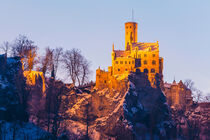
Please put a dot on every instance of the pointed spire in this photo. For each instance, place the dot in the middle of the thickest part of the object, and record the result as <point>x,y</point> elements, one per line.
<point>113,47</point>
<point>132,16</point>
<point>174,82</point>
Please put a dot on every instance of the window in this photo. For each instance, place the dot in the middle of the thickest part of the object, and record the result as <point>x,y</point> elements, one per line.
<point>129,62</point>
<point>125,62</point>
<point>139,55</point>
<point>145,62</point>
<point>153,55</point>
<point>126,69</point>
<point>130,26</point>
<point>116,62</point>
<point>153,62</point>
<point>121,62</point>
<point>118,69</point>
<point>145,55</point>
<point>105,81</point>
<point>132,62</point>
<point>145,70</point>
<point>152,70</point>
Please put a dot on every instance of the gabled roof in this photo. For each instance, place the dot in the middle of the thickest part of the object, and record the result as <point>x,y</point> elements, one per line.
<point>121,53</point>
<point>145,46</point>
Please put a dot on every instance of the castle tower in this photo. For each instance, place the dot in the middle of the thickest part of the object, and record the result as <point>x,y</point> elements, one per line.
<point>130,33</point>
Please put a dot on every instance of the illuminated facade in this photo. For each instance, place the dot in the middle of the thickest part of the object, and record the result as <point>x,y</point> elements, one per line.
<point>137,55</point>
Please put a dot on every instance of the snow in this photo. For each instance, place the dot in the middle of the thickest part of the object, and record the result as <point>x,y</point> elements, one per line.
<point>3,82</point>
<point>3,109</point>
<point>134,110</point>
<point>21,131</point>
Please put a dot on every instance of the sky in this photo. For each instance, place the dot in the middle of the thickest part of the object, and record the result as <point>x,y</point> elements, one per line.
<point>182,28</point>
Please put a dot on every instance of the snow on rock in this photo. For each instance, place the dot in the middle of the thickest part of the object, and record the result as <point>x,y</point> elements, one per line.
<point>21,131</point>
<point>114,114</point>
<point>146,109</point>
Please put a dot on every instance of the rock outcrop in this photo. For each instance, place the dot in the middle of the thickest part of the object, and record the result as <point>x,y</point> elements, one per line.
<point>136,112</point>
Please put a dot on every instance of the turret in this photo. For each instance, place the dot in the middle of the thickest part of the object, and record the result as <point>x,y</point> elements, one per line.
<point>130,34</point>
<point>113,53</point>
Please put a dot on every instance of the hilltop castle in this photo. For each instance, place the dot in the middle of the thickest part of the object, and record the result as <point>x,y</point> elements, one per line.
<point>137,55</point>
<point>143,57</point>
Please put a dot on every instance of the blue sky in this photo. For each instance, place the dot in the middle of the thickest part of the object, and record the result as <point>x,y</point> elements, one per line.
<point>182,28</point>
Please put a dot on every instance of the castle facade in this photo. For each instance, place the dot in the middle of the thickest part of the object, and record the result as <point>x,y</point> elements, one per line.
<point>137,55</point>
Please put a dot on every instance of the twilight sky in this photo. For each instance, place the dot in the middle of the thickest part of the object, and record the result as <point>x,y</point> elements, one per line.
<point>182,28</point>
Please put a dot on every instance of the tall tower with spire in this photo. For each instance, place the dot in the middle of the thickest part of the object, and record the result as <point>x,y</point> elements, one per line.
<point>130,34</point>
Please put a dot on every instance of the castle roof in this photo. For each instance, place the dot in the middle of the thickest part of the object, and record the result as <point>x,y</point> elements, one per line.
<point>121,53</point>
<point>145,46</point>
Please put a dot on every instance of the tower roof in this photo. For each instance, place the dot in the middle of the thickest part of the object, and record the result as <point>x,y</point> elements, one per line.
<point>131,22</point>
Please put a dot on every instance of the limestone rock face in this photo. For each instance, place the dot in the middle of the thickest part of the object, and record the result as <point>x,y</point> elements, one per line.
<point>137,112</point>
<point>146,109</point>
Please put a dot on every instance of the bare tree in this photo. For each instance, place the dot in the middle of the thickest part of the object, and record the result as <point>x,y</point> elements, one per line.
<point>57,54</point>
<point>77,66</point>
<point>51,61</point>
<point>207,97</point>
<point>46,62</point>
<point>197,95</point>
<point>189,84</point>
<point>85,72</point>
<point>26,50</point>
<point>5,47</point>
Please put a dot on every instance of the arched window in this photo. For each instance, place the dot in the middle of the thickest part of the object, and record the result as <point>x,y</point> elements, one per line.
<point>145,70</point>
<point>138,70</point>
<point>152,70</point>
<point>153,62</point>
<point>145,62</point>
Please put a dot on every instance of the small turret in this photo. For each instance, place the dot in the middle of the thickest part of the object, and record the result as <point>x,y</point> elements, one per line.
<point>113,53</point>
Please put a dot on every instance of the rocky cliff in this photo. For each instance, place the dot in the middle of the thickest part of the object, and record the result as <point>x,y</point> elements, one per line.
<point>136,112</point>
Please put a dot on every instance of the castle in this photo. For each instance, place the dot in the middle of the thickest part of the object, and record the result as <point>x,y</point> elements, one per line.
<point>177,94</point>
<point>143,57</point>
<point>137,55</point>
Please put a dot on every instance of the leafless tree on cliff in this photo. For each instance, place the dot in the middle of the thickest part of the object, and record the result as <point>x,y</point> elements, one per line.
<point>196,93</point>
<point>77,66</point>
<point>51,60</point>
<point>189,84</point>
<point>57,59</point>
<point>5,47</point>
<point>46,60</point>
<point>26,50</point>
